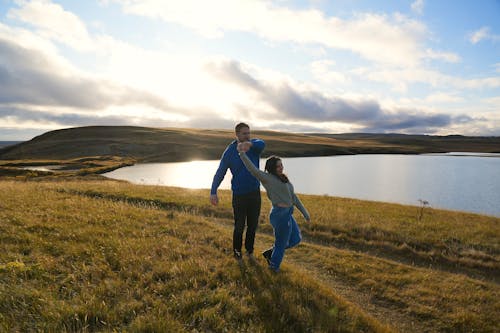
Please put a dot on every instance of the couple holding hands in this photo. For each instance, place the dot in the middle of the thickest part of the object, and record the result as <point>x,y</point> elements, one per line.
<point>242,158</point>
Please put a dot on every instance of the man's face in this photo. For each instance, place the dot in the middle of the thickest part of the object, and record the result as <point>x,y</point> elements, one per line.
<point>243,134</point>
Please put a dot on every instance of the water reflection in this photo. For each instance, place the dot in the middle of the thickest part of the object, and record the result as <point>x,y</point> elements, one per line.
<point>452,182</point>
<point>195,174</point>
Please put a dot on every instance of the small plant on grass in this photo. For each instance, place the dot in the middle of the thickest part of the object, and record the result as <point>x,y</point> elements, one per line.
<point>423,204</point>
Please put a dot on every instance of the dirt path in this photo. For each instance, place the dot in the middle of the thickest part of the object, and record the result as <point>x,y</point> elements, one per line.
<point>407,257</point>
<point>380,310</point>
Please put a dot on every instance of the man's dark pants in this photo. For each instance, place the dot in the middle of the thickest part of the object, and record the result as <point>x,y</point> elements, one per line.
<point>246,208</point>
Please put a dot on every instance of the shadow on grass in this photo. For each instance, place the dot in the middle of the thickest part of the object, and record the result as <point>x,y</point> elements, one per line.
<point>280,301</point>
<point>203,210</point>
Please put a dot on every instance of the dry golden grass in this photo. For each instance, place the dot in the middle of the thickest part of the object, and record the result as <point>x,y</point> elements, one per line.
<point>70,262</point>
<point>87,255</point>
<point>440,237</point>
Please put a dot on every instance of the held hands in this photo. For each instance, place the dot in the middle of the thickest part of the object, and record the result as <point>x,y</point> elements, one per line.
<point>244,146</point>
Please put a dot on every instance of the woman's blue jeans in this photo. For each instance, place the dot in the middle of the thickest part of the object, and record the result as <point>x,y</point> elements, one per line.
<point>286,233</point>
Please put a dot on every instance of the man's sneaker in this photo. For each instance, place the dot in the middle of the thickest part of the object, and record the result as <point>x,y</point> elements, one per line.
<point>267,254</point>
<point>237,254</point>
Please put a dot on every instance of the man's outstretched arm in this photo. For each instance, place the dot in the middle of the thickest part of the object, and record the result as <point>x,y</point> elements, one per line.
<point>258,146</point>
<point>218,177</point>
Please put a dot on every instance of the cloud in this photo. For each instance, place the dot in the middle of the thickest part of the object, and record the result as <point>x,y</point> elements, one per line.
<point>33,73</point>
<point>322,71</point>
<point>19,134</point>
<point>29,76</point>
<point>53,22</point>
<point>441,97</point>
<point>213,122</point>
<point>24,124</point>
<point>29,122</point>
<point>41,119</point>
<point>146,87</point>
<point>478,35</point>
<point>483,34</point>
<point>413,122</point>
<point>446,56</point>
<point>364,34</point>
<point>400,78</point>
<point>150,73</point>
<point>418,6</point>
<point>494,102</point>
<point>293,104</point>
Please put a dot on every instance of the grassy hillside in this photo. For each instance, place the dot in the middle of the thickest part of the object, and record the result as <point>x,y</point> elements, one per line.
<point>425,143</point>
<point>106,255</point>
<point>150,144</point>
<point>165,145</point>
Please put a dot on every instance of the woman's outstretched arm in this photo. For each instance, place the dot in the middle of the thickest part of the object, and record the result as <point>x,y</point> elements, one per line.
<point>259,174</point>
<point>300,206</point>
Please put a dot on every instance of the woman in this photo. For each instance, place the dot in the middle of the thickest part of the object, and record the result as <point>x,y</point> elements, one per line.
<point>280,192</point>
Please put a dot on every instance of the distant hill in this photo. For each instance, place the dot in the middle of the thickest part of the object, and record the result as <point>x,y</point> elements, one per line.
<point>175,144</point>
<point>426,143</point>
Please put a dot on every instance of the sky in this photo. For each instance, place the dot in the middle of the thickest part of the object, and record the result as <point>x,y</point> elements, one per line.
<point>414,67</point>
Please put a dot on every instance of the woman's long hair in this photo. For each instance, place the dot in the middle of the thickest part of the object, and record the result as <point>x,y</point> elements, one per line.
<point>271,164</point>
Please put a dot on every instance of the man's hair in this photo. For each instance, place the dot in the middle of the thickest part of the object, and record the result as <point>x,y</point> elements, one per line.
<point>238,127</point>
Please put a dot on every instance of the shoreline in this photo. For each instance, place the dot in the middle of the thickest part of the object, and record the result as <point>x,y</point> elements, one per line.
<point>145,176</point>
<point>29,169</point>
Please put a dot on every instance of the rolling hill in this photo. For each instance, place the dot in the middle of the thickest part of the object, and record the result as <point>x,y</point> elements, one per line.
<point>175,144</point>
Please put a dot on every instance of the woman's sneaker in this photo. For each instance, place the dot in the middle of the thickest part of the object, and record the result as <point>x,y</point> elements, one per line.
<point>267,254</point>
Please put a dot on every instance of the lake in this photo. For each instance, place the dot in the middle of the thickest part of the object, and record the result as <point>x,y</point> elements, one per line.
<point>455,181</point>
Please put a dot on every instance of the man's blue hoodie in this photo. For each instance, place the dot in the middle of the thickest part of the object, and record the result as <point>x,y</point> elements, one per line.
<point>242,182</point>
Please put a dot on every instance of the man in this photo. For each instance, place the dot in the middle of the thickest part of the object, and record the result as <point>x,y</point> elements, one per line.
<point>245,187</point>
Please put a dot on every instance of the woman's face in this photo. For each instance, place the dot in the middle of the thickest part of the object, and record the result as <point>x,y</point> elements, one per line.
<point>279,167</point>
